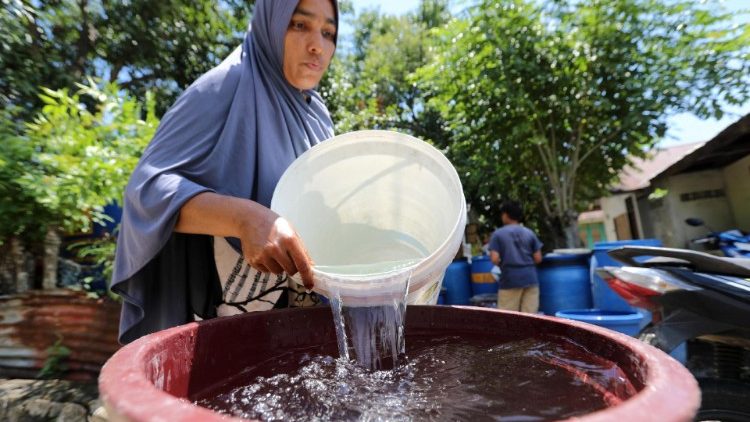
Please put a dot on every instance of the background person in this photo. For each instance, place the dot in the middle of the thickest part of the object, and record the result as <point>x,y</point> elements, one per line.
<point>197,237</point>
<point>516,250</point>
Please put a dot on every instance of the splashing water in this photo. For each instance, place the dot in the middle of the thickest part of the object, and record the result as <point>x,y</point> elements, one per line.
<point>373,336</point>
<point>448,377</point>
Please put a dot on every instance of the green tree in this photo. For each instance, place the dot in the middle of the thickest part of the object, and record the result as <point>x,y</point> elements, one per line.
<point>144,45</point>
<point>544,102</point>
<point>58,172</point>
<point>82,159</point>
<point>369,85</point>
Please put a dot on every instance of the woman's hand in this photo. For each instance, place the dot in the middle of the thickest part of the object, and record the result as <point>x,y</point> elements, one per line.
<point>269,242</point>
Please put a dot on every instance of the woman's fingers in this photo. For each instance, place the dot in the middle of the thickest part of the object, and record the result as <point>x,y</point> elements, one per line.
<point>260,267</point>
<point>290,265</point>
<point>295,258</point>
<point>281,256</point>
<point>276,247</point>
<point>302,263</point>
<point>272,265</point>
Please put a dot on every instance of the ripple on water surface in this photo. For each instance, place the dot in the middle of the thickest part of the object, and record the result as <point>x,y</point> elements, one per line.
<point>443,378</point>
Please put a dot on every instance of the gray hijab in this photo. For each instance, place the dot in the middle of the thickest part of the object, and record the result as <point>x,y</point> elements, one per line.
<point>234,131</point>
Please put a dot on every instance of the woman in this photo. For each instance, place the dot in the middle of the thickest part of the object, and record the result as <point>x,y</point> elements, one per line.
<point>196,233</point>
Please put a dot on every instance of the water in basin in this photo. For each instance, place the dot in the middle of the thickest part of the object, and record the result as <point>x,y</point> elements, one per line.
<point>451,377</point>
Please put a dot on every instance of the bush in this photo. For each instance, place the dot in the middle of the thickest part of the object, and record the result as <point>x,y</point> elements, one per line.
<point>60,171</point>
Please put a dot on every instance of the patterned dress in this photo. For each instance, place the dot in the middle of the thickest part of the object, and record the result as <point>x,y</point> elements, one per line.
<point>245,289</point>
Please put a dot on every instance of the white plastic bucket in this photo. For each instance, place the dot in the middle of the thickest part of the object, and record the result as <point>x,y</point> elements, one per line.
<point>374,208</point>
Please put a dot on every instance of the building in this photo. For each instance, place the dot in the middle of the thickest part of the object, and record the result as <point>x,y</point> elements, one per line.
<point>708,180</point>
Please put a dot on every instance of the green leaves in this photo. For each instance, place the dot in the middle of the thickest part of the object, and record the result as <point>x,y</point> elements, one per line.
<point>67,164</point>
<point>541,102</point>
<point>144,45</point>
<point>371,86</point>
<point>548,100</point>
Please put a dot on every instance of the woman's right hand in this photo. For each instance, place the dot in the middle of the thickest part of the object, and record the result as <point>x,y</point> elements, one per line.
<point>269,242</point>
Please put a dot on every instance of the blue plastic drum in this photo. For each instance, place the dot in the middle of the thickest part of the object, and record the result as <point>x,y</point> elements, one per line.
<point>484,300</point>
<point>457,283</point>
<point>113,211</point>
<point>603,296</point>
<point>441,296</point>
<point>482,280</point>
<point>621,321</point>
<point>564,282</point>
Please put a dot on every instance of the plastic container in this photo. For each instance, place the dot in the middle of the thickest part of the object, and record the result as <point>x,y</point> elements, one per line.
<point>457,283</point>
<point>441,296</point>
<point>375,209</point>
<point>482,279</point>
<point>484,300</point>
<point>621,321</point>
<point>113,211</point>
<point>564,281</point>
<point>155,377</point>
<point>603,296</point>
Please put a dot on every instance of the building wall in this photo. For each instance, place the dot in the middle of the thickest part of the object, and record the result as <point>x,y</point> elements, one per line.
<point>699,194</point>
<point>613,207</point>
<point>660,215</point>
<point>592,232</point>
<point>737,181</point>
<point>644,212</point>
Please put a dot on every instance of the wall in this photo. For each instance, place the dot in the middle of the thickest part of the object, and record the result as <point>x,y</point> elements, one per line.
<point>669,218</point>
<point>644,213</point>
<point>591,232</point>
<point>737,181</point>
<point>613,207</point>
<point>661,217</point>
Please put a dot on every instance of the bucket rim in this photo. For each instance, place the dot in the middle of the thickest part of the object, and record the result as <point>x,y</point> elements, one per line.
<point>607,245</point>
<point>599,315</point>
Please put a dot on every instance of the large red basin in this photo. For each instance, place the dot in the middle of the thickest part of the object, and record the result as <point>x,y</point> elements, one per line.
<point>150,379</point>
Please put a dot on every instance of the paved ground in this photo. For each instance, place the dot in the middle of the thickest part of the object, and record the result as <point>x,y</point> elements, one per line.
<point>23,400</point>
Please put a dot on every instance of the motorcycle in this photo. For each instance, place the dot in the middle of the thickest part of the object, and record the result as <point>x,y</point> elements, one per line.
<point>732,243</point>
<point>699,299</point>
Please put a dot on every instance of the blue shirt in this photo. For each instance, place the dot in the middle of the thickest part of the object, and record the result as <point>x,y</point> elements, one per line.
<point>516,245</point>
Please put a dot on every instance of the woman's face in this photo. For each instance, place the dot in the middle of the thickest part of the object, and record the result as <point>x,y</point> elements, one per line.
<point>309,43</point>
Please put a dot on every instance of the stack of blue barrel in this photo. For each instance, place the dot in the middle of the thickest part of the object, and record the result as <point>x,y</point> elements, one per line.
<point>470,284</point>
<point>570,288</point>
<point>564,281</point>
<point>484,285</point>
<point>74,270</point>
<point>457,283</point>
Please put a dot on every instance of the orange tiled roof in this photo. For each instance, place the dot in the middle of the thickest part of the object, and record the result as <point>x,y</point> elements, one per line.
<point>639,173</point>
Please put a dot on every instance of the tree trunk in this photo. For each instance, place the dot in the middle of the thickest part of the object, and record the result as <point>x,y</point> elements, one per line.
<point>570,229</point>
<point>15,267</point>
<point>7,277</point>
<point>563,231</point>
<point>21,263</point>
<point>571,235</point>
<point>554,236</point>
<point>51,252</point>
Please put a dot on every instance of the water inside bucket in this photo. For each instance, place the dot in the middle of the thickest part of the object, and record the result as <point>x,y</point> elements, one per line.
<point>369,204</point>
<point>452,377</point>
<point>366,270</point>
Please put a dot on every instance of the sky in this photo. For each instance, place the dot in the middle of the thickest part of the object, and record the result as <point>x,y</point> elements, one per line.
<point>683,128</point>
